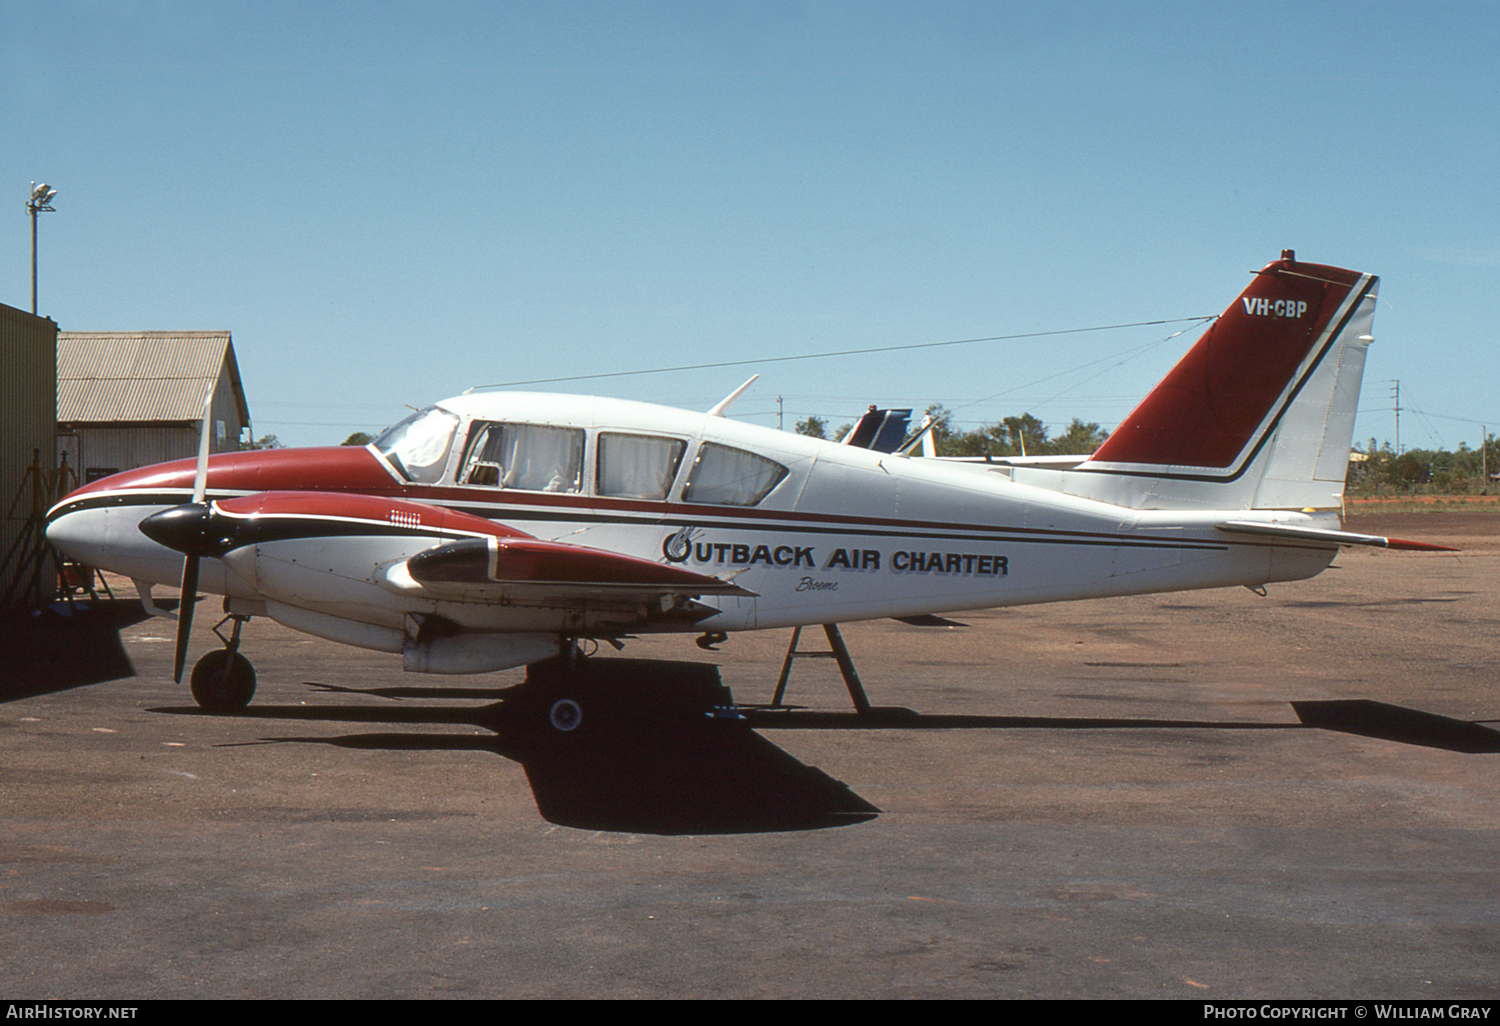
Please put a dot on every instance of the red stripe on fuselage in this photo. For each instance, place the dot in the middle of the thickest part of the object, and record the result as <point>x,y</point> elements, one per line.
<point>1206,410</point>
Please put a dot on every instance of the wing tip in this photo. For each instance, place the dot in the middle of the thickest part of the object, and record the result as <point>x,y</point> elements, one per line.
<point>1416,546</point>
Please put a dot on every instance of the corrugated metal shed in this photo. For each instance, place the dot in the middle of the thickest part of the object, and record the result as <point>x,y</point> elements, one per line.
<point>28,365</point>
<point>138,377</point>
<point>127,399</point>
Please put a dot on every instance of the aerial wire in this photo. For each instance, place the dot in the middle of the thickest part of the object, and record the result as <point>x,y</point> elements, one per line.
<point>1118,358</point>
<point>842,352</point>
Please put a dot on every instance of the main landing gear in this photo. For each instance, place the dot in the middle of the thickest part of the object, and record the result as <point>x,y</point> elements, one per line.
<point>574,701</point>
<point>574,697</point>
<point>565,683</point>
<point>224,681</point>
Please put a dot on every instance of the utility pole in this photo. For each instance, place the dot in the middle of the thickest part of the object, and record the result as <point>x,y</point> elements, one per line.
<point>41,199</point>
<point>1397,393</point>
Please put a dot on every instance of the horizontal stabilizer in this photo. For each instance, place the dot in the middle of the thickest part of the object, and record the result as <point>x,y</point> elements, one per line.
<point>1291,532</point>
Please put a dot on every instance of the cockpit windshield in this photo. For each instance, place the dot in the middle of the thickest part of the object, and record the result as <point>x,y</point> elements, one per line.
<point>418,446</point>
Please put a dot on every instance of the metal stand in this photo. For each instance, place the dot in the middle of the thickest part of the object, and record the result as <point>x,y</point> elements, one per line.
<point>75,577</point>
<point>838,651</point>
<point>26,563</point>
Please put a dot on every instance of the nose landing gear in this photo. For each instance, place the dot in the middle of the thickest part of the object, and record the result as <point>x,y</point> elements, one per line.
<point>224,681</point>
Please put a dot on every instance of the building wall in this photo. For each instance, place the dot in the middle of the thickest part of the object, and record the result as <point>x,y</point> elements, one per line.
<point>28,412</point>
<point>227,423</point>
<point>132,399</point>
<point>96,450</point>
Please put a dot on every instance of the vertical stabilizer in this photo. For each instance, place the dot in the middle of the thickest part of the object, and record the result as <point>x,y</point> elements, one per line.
<point>1260,413</point>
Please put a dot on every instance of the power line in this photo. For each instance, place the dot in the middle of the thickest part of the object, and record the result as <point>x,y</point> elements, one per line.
<point>843,352</point>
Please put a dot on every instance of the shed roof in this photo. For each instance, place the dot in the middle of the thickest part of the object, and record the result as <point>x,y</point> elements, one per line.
<point>142,376</point>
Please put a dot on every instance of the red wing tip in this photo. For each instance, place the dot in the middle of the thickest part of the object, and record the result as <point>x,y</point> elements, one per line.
<point>1416,546</point>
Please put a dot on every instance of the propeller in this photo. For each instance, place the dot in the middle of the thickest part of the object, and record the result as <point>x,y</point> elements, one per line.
<point>190,559</point>
<point>188,529</point>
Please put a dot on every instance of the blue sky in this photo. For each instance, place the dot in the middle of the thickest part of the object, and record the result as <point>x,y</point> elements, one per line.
<point>388,203</point>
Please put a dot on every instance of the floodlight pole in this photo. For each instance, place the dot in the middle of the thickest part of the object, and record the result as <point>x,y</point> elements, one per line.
<point>40,200</point>
<point>33,257</point>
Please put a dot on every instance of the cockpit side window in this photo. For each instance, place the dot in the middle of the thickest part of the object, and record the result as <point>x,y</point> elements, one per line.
<point>637,466</point>
<point>528,457</point>
<point>418,446</point>
<point>731,477</point>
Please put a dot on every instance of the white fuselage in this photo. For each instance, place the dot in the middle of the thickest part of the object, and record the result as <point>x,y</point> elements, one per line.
<point>845,533</point>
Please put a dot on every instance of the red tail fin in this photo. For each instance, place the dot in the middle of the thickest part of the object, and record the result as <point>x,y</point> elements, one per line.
<point>1222,402</point>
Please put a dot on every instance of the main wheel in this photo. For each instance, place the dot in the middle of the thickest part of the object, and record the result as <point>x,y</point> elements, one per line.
<point>565,715</point>
<point>223,681</point>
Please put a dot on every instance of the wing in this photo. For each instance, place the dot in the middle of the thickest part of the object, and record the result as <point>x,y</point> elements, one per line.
<point>535,571</point>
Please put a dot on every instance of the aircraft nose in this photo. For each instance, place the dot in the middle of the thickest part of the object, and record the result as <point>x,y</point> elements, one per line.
<point>192,529</point>
<point>76,535</point>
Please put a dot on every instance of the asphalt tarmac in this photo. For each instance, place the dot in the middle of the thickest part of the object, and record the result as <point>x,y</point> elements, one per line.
<point>1207,795</point>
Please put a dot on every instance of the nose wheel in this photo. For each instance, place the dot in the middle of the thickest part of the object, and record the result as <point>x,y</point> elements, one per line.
<point>224,681</point>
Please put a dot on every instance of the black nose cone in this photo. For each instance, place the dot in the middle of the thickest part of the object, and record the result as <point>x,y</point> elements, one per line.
<point>191,529</point>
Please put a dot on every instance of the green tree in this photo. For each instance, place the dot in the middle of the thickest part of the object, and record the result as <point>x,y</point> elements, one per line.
<point>813,427</point>
<point>1010,437</point>
<point>358,438</point>
<point>1079,439</point>
<point>1027,435</point>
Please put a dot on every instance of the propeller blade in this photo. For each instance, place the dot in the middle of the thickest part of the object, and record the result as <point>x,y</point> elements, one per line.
<point>185,614</point>
<point>199,514</point>
<point>200,479</point>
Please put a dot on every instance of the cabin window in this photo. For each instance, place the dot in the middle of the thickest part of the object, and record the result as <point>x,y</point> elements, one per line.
<point>528,457</point>
<point>731,477</point>
<point>418,446</point>
<point>637,466</point>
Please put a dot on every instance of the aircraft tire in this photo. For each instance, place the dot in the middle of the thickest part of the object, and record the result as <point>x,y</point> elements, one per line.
<point>565,715</point>
<point>223,682</point>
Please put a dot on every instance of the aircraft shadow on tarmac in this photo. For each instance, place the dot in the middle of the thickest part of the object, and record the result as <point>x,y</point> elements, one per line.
<point>623,745</point>
<point>650,746</point>
<point>642,745</point>
<point>65,647</point>
<point>1348,716</point>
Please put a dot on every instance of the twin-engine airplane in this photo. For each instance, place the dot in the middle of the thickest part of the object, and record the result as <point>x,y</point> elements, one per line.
<point>495,530</point>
